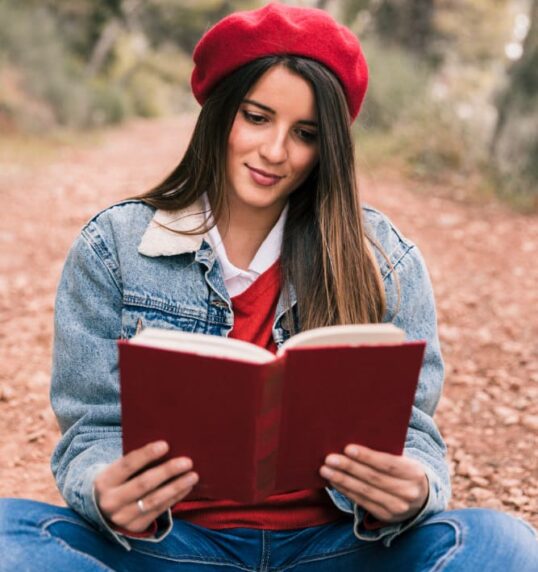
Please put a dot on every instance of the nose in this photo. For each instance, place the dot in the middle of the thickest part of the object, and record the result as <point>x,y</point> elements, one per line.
<point>274,148</point>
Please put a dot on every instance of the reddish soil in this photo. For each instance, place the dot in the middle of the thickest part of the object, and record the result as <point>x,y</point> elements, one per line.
<point>479,258</point>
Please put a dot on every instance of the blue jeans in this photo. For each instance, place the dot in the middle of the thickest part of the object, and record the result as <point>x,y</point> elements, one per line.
<point>35,536</point>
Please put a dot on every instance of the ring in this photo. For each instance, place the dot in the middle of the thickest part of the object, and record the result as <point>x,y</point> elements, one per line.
<point>140,505</point>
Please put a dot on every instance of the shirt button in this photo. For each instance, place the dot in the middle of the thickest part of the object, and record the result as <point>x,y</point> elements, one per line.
<point>285,323</point>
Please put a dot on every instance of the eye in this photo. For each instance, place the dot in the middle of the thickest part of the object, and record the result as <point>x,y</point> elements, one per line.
<point>254,118</point>
<point>307,136</point>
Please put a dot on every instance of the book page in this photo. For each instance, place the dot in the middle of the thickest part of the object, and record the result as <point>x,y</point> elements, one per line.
<point>349,335</point>
<point>202,344</point>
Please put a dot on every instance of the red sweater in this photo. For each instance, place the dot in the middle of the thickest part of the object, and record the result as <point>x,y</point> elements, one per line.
<point>254,311</point>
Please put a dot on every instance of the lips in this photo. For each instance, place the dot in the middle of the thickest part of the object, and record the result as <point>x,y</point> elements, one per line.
<point>262,177</point>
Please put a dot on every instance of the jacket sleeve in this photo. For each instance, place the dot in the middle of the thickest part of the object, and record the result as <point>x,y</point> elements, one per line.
<point>85,386</point>
<point>411,306</point>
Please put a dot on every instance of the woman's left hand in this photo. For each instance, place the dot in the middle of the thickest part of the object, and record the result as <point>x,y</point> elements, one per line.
<point>392,488</point>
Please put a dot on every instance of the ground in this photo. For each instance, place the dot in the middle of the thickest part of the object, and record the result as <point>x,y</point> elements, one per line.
<point>479,257</point>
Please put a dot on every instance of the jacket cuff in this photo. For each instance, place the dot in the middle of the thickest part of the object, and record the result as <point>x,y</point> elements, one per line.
<point>387,533</point>
<point>150,531</point>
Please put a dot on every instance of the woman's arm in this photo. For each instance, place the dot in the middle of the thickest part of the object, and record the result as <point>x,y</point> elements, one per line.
<point>84,387</point>
<point>424,448</point>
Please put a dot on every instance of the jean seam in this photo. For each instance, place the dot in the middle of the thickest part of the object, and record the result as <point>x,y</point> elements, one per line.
<point>448,555</point>
<point>52,520</point>
<point>196,559</point>
<point>266,550</point>
<point>68,548</point>
<point>318,558</point>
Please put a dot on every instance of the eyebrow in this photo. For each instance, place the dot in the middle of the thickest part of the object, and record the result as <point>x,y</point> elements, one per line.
<point>269,110</point>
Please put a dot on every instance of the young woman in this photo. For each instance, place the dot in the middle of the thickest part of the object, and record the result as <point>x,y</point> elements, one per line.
<point>257,234</point>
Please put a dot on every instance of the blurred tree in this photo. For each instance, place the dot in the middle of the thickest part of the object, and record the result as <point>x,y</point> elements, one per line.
<point>184,22</point>
<point>122,15</point>
<point>406,22</point>
<point>514,146</point>
<point>474,31</point>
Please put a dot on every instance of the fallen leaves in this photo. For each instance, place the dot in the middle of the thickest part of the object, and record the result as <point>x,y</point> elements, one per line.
<point>481,264</point>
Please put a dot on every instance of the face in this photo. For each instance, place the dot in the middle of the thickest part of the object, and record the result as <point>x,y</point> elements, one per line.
<point>273,143</point>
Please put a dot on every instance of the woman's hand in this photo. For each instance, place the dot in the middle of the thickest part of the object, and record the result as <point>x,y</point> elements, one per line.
<point>159,487</point>
<point>391,488</point>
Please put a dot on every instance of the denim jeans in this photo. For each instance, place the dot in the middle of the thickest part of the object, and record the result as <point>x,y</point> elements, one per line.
<point>35,536</point>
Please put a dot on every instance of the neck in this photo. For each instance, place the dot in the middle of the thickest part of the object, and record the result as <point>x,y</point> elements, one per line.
<point>243,232</point>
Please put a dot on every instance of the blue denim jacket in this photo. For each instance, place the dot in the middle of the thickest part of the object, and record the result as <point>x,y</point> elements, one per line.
<point>124,267</point>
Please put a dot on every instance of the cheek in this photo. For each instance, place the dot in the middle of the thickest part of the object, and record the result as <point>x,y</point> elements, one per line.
<point>306,162</point>
<point>232,142</point>
<point>240,140</point>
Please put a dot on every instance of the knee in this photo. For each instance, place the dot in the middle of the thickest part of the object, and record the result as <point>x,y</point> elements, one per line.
<point>495,522</point>
<point>496,529</point>
<point>21,513</point>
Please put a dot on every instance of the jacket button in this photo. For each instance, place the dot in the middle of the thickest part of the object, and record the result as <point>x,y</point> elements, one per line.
<point>285,323</point>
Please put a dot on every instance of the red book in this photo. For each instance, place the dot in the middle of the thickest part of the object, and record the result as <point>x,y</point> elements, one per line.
<point>257,424</point>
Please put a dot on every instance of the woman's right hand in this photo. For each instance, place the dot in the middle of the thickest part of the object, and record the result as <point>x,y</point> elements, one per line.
<point>159,487</point>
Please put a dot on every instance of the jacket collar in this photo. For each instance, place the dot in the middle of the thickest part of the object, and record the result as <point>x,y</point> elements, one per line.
<point>159,238</point>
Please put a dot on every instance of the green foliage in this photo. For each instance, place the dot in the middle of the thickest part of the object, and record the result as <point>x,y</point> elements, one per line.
<point>403,126</point>
<point>45,79</point>
<point>473,31</point>
<point>31,43</point>
<point>398,83</point>
<point>350,9</point>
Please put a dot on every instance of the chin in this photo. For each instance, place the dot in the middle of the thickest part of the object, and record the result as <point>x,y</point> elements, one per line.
<point>261,198</point>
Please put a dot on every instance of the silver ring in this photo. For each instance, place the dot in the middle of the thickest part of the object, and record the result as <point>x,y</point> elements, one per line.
<point>140,505</point>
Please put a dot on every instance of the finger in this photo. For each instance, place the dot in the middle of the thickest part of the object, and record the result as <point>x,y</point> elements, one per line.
<point>376,510</point>
<point>394,465</point>
<point>395,511</point>
<point>367,474</point>
<point>151,479</point>
<point>117,498</point>
<point>119,471</point>
<point>155,503</point>
<point>357,487</point>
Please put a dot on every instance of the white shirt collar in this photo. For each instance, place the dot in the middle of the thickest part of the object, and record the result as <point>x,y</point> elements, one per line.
<point>159,240</point>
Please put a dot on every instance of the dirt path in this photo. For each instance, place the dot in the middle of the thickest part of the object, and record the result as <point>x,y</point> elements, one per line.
<point>479,259</point>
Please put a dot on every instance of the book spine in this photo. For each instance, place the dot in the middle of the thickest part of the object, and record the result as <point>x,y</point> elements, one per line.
<point>268,430</point>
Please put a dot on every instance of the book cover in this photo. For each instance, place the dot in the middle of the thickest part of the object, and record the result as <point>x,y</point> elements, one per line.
<point>255,429</point>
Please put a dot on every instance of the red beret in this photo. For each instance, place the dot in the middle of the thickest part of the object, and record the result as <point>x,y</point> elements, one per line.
<point>280,29</point>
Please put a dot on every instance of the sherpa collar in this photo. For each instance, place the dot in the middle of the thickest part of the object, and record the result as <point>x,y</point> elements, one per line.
<point>159,238</point>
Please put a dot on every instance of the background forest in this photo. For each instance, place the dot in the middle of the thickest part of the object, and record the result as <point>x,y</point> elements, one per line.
<point>453,97</point>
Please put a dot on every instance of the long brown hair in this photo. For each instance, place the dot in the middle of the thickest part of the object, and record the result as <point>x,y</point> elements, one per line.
<point>326,254</point>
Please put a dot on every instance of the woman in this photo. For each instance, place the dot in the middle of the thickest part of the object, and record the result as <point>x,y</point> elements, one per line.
<point>257,234</point>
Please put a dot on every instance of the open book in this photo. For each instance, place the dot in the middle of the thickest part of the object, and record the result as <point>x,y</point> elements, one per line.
<point>255,423</point>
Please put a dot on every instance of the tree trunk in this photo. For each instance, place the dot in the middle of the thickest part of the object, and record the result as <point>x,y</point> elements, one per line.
<point>408,23</point>
<point>112,30</point>
<point>514,146</point>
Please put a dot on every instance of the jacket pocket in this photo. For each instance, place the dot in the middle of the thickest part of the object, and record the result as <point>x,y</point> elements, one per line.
<point>145,311</point>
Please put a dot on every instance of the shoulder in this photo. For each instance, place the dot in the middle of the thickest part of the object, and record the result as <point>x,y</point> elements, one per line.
<point>406,278</point>
<point>118,225</point>
<point>391,247</point>
<point>130,215</point>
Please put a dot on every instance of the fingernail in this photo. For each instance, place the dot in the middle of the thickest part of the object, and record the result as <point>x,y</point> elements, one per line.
<point>352,450</point>
<point>326,472</point>
<point>182,464</point>
<point>192,479</point>
<point>160,447</point>
<point>332,460</point>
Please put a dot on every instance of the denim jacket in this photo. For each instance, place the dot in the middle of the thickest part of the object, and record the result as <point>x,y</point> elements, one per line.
<point>124,268</point>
